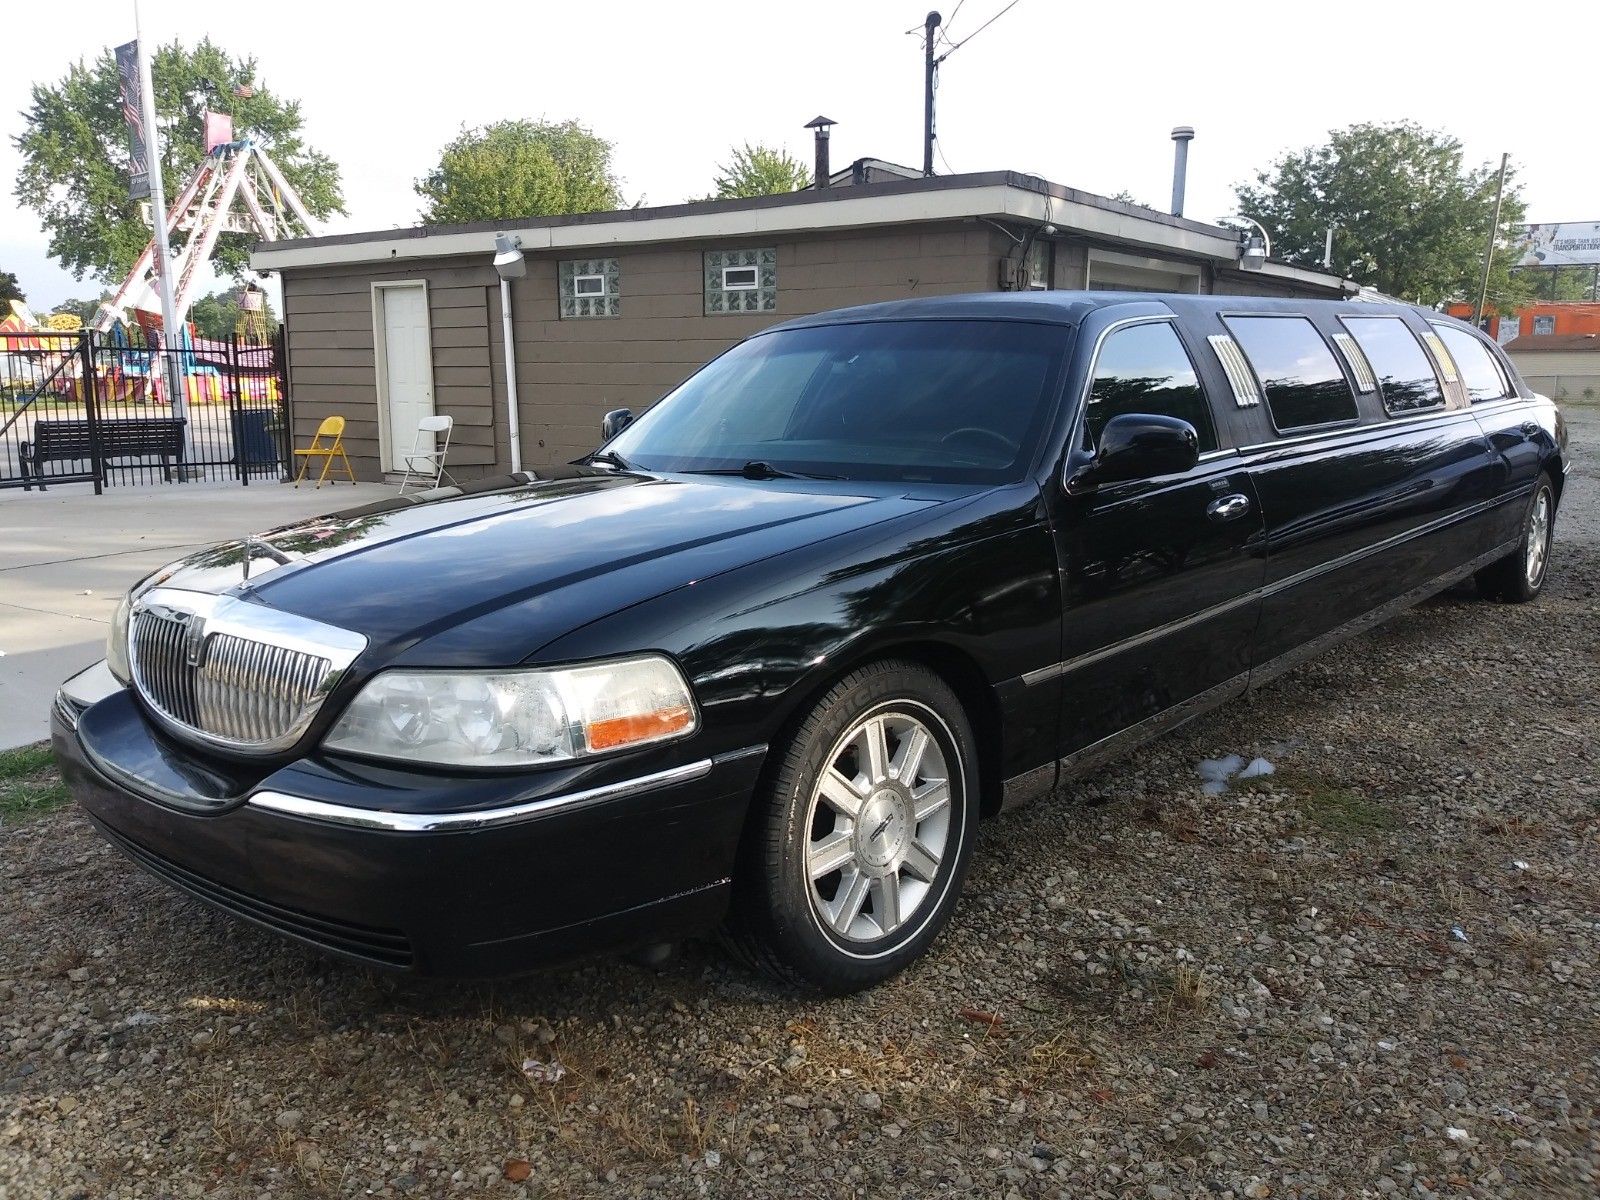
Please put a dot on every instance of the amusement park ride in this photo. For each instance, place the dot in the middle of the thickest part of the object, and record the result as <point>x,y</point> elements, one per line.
<point>237,188</point>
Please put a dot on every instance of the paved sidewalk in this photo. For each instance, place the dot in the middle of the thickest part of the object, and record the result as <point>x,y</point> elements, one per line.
<point>67,555</point>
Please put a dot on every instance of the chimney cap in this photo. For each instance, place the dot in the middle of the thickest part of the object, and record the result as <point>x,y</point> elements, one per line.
<point>1182,133</point>
<point>820,122</point>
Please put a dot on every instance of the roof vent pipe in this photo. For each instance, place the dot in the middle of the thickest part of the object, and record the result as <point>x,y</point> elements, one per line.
<point>820,126</point>
<point>1181,137</point>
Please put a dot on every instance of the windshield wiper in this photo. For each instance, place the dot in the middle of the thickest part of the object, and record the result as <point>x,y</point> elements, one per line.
<point>759,469</point>
<point>611,459</point>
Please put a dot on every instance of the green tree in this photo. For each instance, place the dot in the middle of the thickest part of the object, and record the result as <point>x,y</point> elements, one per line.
<point>520,169</point>
<point>74,147</point>
<point>217,316</point>
<point>760,170</point>
<point>10,290</point>
<point>1409,216</point>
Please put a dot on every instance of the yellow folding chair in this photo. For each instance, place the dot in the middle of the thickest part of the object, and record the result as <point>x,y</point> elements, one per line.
<point>333,429</point>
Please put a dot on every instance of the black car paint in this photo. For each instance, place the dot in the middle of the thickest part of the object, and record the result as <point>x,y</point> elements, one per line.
<point>1064,620</point>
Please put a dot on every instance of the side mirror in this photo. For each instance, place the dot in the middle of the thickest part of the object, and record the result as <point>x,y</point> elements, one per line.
<point>1139,446</point>
<point>614,422</point>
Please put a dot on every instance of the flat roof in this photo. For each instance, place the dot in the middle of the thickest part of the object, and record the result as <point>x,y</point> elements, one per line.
<point>997,195</point>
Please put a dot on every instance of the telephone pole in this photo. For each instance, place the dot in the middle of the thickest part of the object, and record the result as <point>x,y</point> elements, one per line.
<point>930,71</point>
<point>1494,232</point>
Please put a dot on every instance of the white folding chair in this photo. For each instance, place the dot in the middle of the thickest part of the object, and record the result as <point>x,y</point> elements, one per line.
<point>427,455</point>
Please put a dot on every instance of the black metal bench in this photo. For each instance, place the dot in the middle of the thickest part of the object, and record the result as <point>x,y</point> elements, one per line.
<point>126,437</point>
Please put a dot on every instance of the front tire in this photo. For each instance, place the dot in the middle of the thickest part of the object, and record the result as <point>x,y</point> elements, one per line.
<point>863,835</point>
<point>1519,576</point>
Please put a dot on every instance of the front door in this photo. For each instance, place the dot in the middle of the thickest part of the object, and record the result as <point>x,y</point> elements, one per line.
<point>406,379</point>
<point>1160,577</point>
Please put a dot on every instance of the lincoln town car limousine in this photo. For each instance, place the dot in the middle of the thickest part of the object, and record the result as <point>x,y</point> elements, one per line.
<point>763,661</point>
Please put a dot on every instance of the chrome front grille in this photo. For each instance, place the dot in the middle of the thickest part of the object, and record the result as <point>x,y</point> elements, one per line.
<point>230,673</point>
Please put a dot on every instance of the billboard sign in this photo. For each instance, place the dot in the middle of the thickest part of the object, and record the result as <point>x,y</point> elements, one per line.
<point>1569,244</point>
<point>128,87</point>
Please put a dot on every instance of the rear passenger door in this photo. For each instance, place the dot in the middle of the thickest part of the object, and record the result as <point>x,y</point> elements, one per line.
<point>1515,438</point>
<point>1373,483</point>
<point>1158,576</point>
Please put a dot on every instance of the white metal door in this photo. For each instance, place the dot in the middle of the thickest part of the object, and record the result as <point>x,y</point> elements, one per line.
<point>407,366</point>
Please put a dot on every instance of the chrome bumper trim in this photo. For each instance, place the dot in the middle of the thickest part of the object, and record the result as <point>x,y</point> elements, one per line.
<point>485,818</point>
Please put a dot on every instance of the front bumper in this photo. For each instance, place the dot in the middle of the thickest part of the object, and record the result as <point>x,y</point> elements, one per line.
<point>539,876</point>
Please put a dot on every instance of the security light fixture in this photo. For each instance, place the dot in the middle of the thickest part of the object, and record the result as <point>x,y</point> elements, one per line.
<point>1255,247</point>
<point>508,260</point>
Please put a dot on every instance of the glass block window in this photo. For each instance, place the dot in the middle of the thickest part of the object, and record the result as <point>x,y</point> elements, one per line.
<point>590,287</point>
<point>1039,265</point>
<point>741,281</point>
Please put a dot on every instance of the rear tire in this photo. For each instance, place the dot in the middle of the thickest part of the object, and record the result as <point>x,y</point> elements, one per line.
<point>1519,576</point>
<point>861,838</point>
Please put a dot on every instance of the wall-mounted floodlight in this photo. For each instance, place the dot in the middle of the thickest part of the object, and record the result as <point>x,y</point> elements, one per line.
<point>508,260</point>
<point>1255,247</point>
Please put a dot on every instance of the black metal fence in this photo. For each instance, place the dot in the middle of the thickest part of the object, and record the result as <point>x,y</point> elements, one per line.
<point>95,408</point>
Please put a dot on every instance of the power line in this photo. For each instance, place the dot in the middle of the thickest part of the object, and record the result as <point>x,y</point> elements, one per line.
<point>978,30</point>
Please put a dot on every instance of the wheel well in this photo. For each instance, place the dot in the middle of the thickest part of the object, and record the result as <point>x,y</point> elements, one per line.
<point>963,676</point>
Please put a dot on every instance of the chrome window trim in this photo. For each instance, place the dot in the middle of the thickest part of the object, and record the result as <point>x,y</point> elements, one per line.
<point>1356,359</point>
<point>1329,432</point>
<point>1246,387</point>
<point>223,614</point>
<point>1507,392</point>
<point>1081,415</point>
<point>1427,354</point>
<point>1272,418</point>
<point>284,804</point>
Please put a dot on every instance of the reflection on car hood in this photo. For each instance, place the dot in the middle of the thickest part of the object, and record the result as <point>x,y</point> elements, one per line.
<point>581,545</point>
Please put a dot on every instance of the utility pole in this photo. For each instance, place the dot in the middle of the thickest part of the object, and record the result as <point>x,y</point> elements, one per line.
<point>930,70</point>
<point>1494,232</point>
<point>170,333</point>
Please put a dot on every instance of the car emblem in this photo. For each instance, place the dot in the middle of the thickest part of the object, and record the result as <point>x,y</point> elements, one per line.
<point>194,637</point>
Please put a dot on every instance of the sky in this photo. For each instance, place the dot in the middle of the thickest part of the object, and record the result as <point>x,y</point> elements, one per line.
<point>1084,94</point>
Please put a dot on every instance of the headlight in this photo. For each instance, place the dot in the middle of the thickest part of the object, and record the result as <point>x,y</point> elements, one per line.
<point>517,718</point>
<point>117,640</point>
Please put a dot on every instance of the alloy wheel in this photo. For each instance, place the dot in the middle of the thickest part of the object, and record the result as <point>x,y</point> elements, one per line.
<point>879,826</point>
<point>1538,537</point>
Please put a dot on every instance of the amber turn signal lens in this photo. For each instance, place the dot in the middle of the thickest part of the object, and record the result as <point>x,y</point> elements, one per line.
<point>616,732</point>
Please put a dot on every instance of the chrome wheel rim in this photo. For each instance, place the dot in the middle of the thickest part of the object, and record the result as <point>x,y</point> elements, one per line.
<point>878,827</point>
<point>1538,537</point>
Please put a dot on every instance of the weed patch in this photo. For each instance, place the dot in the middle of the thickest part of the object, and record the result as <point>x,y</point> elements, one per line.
<point>30,785</point>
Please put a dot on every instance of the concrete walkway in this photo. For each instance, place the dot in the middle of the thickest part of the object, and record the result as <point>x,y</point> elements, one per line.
<point>67,556</point>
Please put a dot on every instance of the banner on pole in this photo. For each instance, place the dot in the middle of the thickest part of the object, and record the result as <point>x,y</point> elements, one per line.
<point>138,153</point>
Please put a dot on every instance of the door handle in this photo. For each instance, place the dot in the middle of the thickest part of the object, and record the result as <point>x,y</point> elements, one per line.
<point>1228,507</point>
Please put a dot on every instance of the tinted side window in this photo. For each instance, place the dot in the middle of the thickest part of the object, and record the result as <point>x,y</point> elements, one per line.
<point>1145,369</point>
<point>1405,376</point>
<point>1301,378</point>
<point>1479,372</point>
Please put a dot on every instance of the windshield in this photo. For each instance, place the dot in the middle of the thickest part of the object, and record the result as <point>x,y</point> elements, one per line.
<point>942,401</point>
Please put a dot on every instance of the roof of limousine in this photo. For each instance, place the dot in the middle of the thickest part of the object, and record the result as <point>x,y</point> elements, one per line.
<point>1069,308</point>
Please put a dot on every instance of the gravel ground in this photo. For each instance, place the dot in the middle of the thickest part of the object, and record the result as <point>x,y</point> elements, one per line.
<point>1373,973</point>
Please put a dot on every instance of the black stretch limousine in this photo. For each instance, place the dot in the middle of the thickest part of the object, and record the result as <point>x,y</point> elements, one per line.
<point>763,660</point>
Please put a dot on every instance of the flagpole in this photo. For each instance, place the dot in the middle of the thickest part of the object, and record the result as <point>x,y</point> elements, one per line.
<point>171,335</point>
